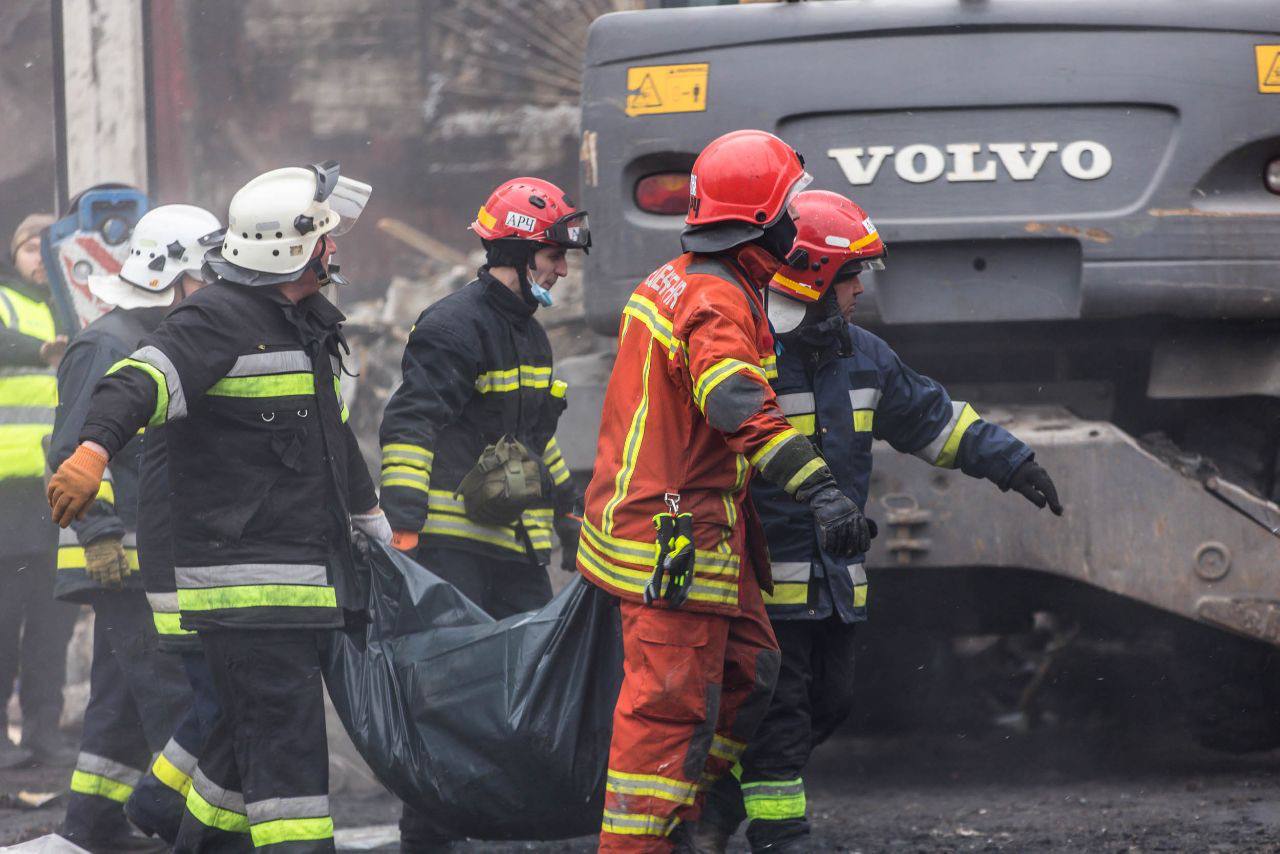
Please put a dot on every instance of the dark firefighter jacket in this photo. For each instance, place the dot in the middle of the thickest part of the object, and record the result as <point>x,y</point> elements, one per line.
<point>477,367</point>
<point>115,512</point>
<point>842,392</point>
<point>263,469</point>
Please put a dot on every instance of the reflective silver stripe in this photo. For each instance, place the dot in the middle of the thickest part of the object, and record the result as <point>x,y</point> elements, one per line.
<point>930,452</point>
<point>797,403</point>
<point>276,808</point>
<point>177,399</point>
<point>792,570</point>
<point>279,362</point>
<point>26,415</point>
<point>413,476</point>
<point>864,398</point>
<point>215,795</point>
<point>27,372</point>
<point>672,790</point>
<point>68,537</point>
<point>857,574</point>
<point>769,789</point>
<point>237,574</point>
<point>163,603</point>
<point>91,763</point>
<point>179,758</point>
<point>10,320</point>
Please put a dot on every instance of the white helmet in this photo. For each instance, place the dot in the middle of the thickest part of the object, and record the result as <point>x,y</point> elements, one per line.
<point>167,242</point>
<point>277,218</point>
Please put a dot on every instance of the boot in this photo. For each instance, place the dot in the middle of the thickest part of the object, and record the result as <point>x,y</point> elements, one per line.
<point>11,755</point>
<point>702,838</point>
<point>46,743</point>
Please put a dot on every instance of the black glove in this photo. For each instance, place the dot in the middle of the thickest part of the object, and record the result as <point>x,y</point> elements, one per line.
<point>842,529</point>
<point>568,530</point>
<point>1034,483</point>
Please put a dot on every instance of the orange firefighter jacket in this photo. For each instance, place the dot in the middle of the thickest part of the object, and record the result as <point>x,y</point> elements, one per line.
<point>688,414</point>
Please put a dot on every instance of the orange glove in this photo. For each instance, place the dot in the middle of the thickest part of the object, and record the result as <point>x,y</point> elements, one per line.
<point>405,541</point>
<point>74,485</point>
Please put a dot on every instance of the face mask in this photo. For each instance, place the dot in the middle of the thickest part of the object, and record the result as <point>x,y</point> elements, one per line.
<point>537,291</point>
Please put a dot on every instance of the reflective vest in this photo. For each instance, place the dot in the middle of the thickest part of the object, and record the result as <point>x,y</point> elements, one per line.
<point>841,396</point>
<point>28,395</point>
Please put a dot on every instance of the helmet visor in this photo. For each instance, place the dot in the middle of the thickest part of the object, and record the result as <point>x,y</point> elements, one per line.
<point>347,200</point>
<point>857,266</point>
<point>796,189</point>
<point>570,231</point>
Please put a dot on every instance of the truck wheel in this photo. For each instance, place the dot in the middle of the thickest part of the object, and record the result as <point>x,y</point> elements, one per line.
<point>1228,690</point>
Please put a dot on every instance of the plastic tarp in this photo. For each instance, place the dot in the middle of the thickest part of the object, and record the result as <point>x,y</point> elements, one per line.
<point>494,729</point>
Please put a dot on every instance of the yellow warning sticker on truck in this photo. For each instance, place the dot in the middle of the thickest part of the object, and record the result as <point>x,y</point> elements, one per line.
<point>656,89</point>
<point>1268,56</point>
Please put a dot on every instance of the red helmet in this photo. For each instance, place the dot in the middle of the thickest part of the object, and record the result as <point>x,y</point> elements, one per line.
<point>835,239</point>
<point>745,176</point>
<point>532,209</point>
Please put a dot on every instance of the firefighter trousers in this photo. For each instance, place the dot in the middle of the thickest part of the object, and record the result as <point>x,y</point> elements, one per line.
<point>695,687</point>
<point>813,697</point>
<point>262,780</point>
<point>501,588</point>
<point>148,807</point>
<point>137,696</point>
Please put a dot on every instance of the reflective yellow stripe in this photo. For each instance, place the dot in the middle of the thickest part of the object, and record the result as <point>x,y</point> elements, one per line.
<point>947,459</point>
<point>162,387</point>
<point>636,551</point>
<point>630,447</point>
<point>169,624</point>
<point>22,449</point>
<point>106,492</point>
<point>805,470</point>
<point>291,830</point>
<point>762,456</point>
<point>31,317</point>
<point>72,557</point>
<point>164,771</point>
<point>84,783</point>
<point>257,596</point>
<point>35,389</point>
<point>337,390</point>
<point>636,824</point>
<point>211,816</point>
<point>726,748</point>
<point>795,287</point>
<point>486,219</point>
<point>770,365</point>
<point>718,373</point>
<point>554,461</point>
<point>525,376</point>
<point>270,385</point>
<point>633,581</point>
<point>863,420</point>
<point>788,593</point>
<point>768,800</point>
<point>403,475</point>
<point>806,424</point>
<point>408,455</point>
<point>865,240</point>
<point>660,328</point>
<point>651,786</point>
<point>860,596</point>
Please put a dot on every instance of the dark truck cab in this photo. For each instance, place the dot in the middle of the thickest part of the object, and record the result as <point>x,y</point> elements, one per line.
<point>1082,207</point>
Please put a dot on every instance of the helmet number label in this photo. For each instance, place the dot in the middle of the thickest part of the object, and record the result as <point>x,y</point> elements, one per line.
<point>522,222</point>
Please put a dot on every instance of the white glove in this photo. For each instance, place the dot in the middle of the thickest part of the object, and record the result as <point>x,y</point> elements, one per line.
<point>373,525</point>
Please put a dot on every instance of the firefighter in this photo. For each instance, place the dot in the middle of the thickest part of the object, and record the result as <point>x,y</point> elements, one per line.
<point>30,348</point>
<point>841,387</point>
<point>265,475</point>
<point>478,374</point>
<point>137,694</point>
<point>667,528</point>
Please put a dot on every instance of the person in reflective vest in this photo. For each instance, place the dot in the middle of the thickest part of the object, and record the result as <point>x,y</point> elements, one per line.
<point>34,629</point>
<point>267,483</point>
<point>840,386</point>
<point>477,373</point>
<point>688,416</point>
<point>138,694</point>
